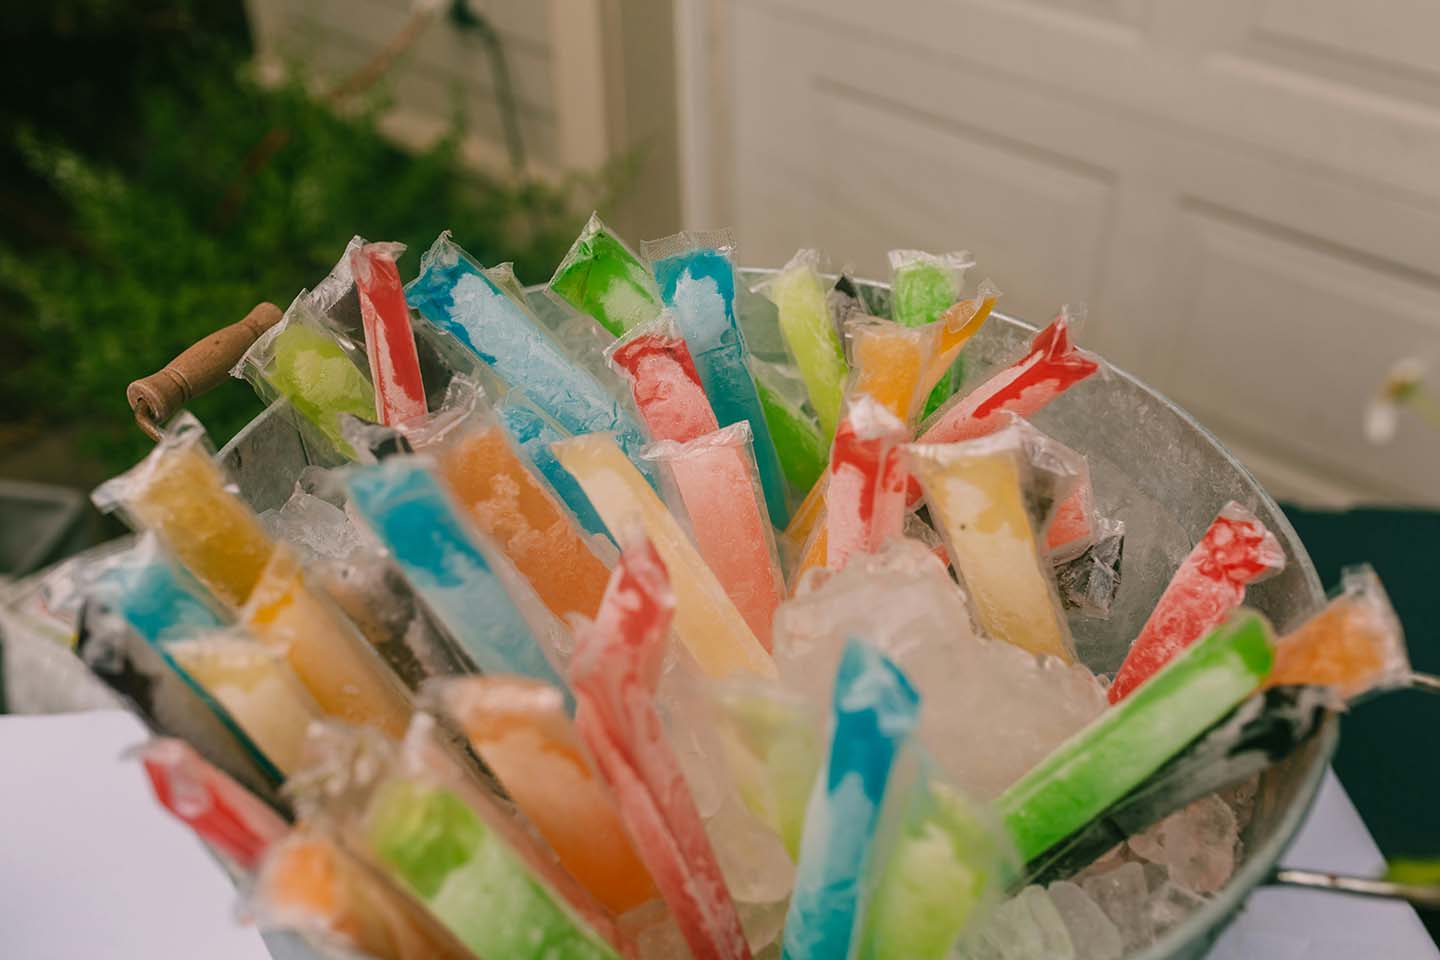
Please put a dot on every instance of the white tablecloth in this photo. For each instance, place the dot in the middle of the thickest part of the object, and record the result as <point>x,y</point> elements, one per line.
<point>90,867</point>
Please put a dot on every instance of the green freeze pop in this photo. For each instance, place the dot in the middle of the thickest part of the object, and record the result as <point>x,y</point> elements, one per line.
<point>308,367</point>
<point>446,855</point>
<point>947,858</point>
<point>799,298</point>
<point>602,277</point>
<point>1132,739</point>
<point>802,448</point>
<point>923,286</point>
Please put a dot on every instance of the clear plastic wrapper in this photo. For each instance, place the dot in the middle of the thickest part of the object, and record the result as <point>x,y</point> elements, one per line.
<point>1235,551</point>
<point>697,282</point>
<point>389,340</point>
<point>717,480</point>
<point>804,317</point>
<point>602,277</point>
<point>468,583</point>
<point>301,360</point>
<point>232,821</point>
<point>482,468</point>
<point>257,688</point>
<point>617,666</point>
<point>312,884</point>
<point>1354,646</point>
<point>459,296</point>
<point>1131,740</point>
<point>1089,583</point>
<point>874,711</point>
<point>992,499</point>
<point>520,729</point>
<point>799,442</point>
<point>415,813</point>
<point>337,665</point>
<point>179,493</point>
<point>707,621</point>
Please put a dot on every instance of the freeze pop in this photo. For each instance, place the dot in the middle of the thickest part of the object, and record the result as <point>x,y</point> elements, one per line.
<point>697,282</point>
<point>946,860</point>
<point>799,444</point>
<point>716,477</point>
<point>600,276</point>
<point>520,729</point>
<point>873,713</point>
<point>311,883</point>
<point>1132,739</point>
<point>1236,550</point>
<point>179,493</point>
<point>517,511</point>
<point>331,657</point>
<point>457,295</point>
<point>258,690</point>
<point>615,672</point>
<point>1354,645</point>
<point>664,383</point>
<point>865,494</point>
<point>534,432</point>
<point>492,886</point>
<point>707,621</point>
<point>224,814</point>
<point>982,495</point>
<point>799,297</point>
<point>389,341</point>
<point>890,361</point>
<point>473,591</point>
<point>301,360</point>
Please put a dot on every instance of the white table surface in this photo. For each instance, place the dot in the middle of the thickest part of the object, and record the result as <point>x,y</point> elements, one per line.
<point>91,867</point>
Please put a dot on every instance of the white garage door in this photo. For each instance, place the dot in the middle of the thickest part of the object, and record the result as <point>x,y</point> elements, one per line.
<point>1245,192</point>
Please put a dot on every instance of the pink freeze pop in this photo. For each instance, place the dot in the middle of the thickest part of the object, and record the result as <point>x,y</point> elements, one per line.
<point>1052,366</point>
<point>664,383</point>
<point>865,500</point>
<point>1235,551</point>
<point>389,340</point>
<point>614,674</point>
<point>719,485</point>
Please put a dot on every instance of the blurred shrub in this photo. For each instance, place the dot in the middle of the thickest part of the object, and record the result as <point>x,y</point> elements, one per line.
<point>192,232</point>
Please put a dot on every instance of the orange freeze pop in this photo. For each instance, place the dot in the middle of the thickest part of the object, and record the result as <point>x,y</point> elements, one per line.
<point>520,729</point>
<point>1353,645</point>
<point>515,509</point>
<point>333,660</point>
<point>310,883</point>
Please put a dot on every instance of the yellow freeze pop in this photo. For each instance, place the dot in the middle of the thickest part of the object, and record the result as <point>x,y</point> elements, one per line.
<point>257,688</point>
<point>977,492</point>
<point>708,622</point>
<point>178,492</point>
<point>331,657</point>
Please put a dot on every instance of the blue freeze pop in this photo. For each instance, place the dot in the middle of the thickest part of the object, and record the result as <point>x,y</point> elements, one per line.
<point>534,432</point>
<point>158,603</point>
<point>478,598</point>
<point>699,287</point>
<point>454,293</point>
<point>875,711</point>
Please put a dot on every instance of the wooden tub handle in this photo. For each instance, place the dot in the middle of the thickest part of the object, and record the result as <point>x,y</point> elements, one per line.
<point>201,367</point>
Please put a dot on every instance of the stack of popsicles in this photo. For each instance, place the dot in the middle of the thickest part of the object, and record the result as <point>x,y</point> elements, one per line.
<point>602,637</point>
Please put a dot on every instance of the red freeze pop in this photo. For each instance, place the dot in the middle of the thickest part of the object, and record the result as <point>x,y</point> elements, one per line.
<point>1052,366</point>
<point>1235,551</point>
<point>221,812</point>
<point>865,499</point>
<point>665,384</point>
<point>614,674</point>
<point>389,340</point>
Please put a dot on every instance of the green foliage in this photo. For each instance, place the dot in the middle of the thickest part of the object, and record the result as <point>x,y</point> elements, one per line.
<point>201,227</point>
